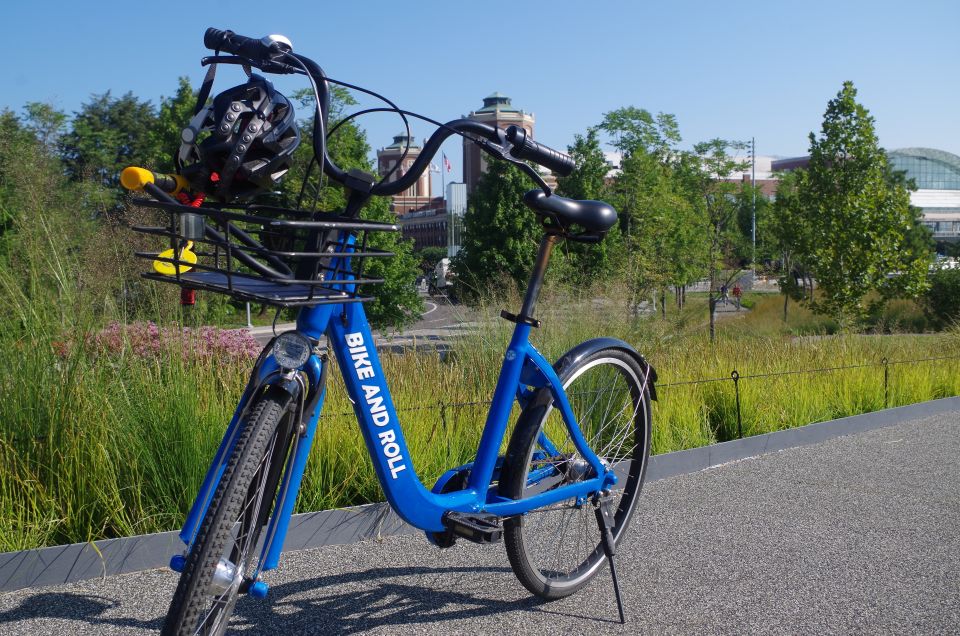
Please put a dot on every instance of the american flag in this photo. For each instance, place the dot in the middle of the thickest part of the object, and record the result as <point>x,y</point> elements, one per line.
<point>446,162</point>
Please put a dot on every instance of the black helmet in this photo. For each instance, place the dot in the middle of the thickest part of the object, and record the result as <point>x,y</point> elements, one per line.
<point>252,135</point>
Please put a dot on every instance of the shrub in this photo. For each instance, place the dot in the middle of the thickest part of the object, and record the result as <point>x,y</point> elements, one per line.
<point>942,302</point>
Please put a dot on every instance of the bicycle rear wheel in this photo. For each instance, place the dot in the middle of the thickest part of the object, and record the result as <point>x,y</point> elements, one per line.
<point>555,551</point>
<point>225,549</point>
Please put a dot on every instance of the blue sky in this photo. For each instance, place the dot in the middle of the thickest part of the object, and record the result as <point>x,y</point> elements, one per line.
<point>725,69</point>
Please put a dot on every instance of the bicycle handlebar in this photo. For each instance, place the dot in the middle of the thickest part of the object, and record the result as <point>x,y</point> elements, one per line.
<point>524,148</point>
<point>256,50</point>
<point>272,53</point>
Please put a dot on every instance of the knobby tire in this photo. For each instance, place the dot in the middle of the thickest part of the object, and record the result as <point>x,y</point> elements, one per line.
<point>238,510</point>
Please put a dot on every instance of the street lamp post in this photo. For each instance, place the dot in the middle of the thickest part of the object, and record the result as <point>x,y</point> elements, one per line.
<point>753,212</point>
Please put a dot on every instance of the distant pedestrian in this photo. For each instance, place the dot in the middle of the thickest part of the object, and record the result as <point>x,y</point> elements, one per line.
<point>723,294</point>
<point>737,293</point>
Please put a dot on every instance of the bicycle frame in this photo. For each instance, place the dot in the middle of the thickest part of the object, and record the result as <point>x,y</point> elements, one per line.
<point>351,340</point>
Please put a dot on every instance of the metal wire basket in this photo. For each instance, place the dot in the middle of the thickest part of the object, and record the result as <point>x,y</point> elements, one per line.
<point>264,254</point>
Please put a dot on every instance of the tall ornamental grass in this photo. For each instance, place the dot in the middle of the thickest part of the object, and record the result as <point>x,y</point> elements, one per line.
<point>106,429</point>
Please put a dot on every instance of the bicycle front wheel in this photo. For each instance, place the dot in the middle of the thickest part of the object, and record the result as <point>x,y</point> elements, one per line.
<point>224,552</point>
<point>556,550</point>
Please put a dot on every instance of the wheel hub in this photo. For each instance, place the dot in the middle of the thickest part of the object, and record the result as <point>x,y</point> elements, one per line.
<point>223,577</point>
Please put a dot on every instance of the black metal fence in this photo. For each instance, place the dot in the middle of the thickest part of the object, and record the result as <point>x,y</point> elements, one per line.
<point>449,410</point>
<point>736,378</point>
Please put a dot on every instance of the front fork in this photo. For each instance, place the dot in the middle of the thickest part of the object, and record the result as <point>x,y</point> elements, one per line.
<point>266,373</point>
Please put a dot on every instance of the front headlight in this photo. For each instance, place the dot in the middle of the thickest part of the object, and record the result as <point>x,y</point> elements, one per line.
<point>292,349</point>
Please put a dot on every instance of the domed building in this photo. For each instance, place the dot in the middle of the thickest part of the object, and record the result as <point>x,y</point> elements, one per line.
<point>416,197</point>
<point>937,176</point>
<point>498,111</point>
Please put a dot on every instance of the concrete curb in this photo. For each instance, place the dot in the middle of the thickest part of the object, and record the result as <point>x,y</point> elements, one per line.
<point>695,459</point>
<point>80,561</point>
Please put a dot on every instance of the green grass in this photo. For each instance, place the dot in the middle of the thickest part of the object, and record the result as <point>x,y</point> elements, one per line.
<point>95,445</point>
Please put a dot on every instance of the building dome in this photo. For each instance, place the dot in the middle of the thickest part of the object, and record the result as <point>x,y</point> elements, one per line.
<point>497,103</point>
<point>401,141</point>
<point>929,168</point>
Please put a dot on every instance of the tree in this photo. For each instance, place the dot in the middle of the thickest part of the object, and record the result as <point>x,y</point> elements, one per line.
<point>661,229</point>
<point>859,215</point>
<point>43,236</point>
<point>174,114</point>
<point>17,143</point>
<point>942,301</point>
<point>663,234</point>
<point>500,235</point>
<point>752,204</point>
<point>107,135</point>
<point>636,129</point>
<point>706,173</point>
<point>791,236</point>
<point>590,261</point>
<point>46,123</point>
<point>395,301</point>
<point>430,256</point>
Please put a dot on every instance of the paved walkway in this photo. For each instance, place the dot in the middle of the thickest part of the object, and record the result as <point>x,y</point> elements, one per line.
<point>440,322</point>
<point>858,534</point>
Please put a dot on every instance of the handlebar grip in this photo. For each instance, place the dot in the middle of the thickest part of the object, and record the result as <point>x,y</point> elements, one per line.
<point>214,39</point>
<point>134,178</point>
<point>230,42</point>
<point>254,49</point>
<point>524,148</point>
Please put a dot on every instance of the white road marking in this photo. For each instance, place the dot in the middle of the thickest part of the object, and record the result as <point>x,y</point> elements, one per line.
<point>432,309</point>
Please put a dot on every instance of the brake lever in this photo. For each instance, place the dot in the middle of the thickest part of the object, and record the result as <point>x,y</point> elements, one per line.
<point>502,151</point>
<point>270,66</point>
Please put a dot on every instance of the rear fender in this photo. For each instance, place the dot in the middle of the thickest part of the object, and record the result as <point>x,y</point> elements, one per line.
<point>584,349</point>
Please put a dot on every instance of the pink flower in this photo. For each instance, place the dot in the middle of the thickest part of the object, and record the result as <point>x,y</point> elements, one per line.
<point>148,340</point>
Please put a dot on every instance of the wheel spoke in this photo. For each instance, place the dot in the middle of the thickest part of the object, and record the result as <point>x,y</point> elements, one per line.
<point>555,553</point>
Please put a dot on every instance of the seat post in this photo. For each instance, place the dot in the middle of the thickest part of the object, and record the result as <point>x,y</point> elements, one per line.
<point>536,277</point>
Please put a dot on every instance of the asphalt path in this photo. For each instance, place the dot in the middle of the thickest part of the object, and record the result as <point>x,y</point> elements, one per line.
<point>440,323</point>
<point>858,534</point>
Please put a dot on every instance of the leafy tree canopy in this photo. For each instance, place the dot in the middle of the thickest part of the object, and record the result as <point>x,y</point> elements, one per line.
<point>108,134</point>
<point>636,130</point>
<point>500,234</point>
<point>591,261</point>
<point>859,215</point>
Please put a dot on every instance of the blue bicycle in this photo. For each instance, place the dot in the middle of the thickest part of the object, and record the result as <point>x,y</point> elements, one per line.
<point>562,496</point>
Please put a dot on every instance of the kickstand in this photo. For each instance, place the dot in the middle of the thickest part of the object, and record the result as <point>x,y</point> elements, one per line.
<point>605,521</point>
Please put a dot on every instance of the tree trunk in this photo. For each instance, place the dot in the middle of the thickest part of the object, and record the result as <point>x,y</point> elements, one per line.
<point>712,305</point>
<point>663,303</point>
<point>786,299</point>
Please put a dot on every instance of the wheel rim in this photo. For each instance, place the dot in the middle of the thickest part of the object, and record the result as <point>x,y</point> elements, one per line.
<point>561,541</point>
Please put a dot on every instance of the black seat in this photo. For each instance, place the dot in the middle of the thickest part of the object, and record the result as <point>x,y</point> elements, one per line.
<point>577,220</point>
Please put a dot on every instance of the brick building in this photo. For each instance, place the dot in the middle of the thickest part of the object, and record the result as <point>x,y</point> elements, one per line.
<point>427,225</point>
<point>497,111</point>
<point>416,197</point>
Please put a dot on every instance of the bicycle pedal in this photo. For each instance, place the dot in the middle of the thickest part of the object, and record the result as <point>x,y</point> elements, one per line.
<point>476,527</point>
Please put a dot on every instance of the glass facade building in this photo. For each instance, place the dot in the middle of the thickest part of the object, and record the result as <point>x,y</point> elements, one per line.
<point>930,169</point>
<point>936,174</point>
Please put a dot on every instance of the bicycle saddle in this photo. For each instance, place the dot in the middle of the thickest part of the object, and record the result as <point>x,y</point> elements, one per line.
<point>586,221</point>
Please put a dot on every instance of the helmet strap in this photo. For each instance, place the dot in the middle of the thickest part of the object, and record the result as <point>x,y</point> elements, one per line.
<point>199,114</point>
<point>205,88</point>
